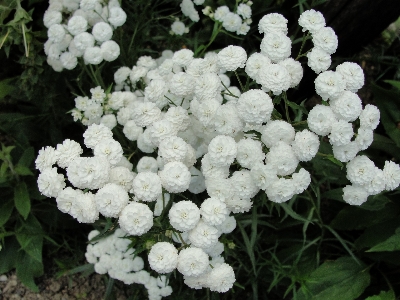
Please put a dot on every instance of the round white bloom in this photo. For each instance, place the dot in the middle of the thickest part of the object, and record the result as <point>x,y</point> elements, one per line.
<point>132,131</point>
<point>121,75</point>
<point>98,94</point>
<point>244,11</point>
<point>213,211</point>
<point>232,57</point>
<point>178,28</point>
<point>172,148</point>
<point>237,205</point>
<point>111,199</point>
<point>273,22</point>
<point>46,158</point>
<point>276,131</point>
<point>263,175</point>
<point>283,158</point>
<point>51,17</point>
<point>136,218</point>
<point>179,117</point>
<point>93,55</point>
<point>196,282</point>
<point>219,188</point>
<point>321,119</point>
<point>75,51</point>
<point>175,177</point>
<point>155,92</point>
<point>208,85</point>
<point>301,180</point>
<point>205,110</point>
<point>243,184</point>
<point>50,183</point>
<point>110,50</point>
<point>369,117</point>
<point>255,63</point>
<point>77,24</point>
<point>312,20</point>
<point>183,57</point>
<point>197,181</point>
<point>147,164</point>
<point>102,32</point>
<point>215,250</point>
<point>163,257</point>
<point>221,12</point>
<point>160,130</point>
<point>137,72</point>
<point>68,60</point>
<point>124,162</point>
<point>377,184</point>
<point>274,78</point>
<point>346,152</point>
<point>144,142</point>
<point>227,121</point>
<point>352,74</point>
<point>122,176</point>
<point>203,235</point>
<point>391,172</point>
<point>147,186</point>
<point>227,226</point>
<point>209,170</point>
<point>66,198</point>
<point>109,121</point>
<point>294,69</point>
<point>280,190</point>
<point>365,137</point>
<point>56,33</point>
<point>110,149</point>
<point>354,195</point>
<point>325,39</point>
<point>87,5</point>
<point>329,85</point>
<point>341,133</point>
<point>347,107</point>
<point>360,170</point>
<point>117,16</point>
<point>184,215</point>
<point>255,106</point>
<point>249,153</point>
<point>318,60</point>
<point>188,10</point>
<point>221,278</point>
<point>305,145</point>
<point>222,150</point>
<point>89,172</point>
<point>181,84</point>
<point>232,22</point>
<point>145,113</point>
<point>192,261</point>
<point>277,46</point>
<point>83,41</point>
<point>84,209</point>
<point>67,151</point>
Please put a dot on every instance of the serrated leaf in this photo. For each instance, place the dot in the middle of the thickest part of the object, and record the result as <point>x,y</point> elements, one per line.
<point>32,244</point>
<point>342,279</point>
<point>5,8</point>
<point>391,244</point>
<point>383,295</point>
<point>22,200</point>
<point>27,269</point>
<point>6,208</point>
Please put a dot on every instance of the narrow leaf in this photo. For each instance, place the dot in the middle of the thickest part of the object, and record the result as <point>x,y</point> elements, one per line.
<point>22,200</point>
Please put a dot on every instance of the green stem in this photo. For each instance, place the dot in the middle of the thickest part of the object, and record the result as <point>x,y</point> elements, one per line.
<point>94,75</point>
<point>240,82</point>
<point>305,36</point>
<point>285,99</point>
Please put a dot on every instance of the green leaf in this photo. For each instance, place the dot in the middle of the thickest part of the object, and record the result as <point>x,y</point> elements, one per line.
<point>334,160</point>
<point>8,257</point>
<point>23,171</point>
<point>27,157</point>
<point>335,194</point>
<point>28,268</point>
<point>383,295</point>
<point>5,87</point>
<point>391,244</point>
<point>394,83</point>
<point>5,8</point>
<point>22,200</point>
<point>6,208</point>
<point>32,244</point>
<point>342,279</point>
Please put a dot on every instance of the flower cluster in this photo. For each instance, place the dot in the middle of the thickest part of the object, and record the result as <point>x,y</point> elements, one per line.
<point>113,255</point>
<point>69,23</point>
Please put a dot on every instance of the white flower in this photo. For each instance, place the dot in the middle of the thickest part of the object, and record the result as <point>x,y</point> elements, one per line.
<point>84,208</point>
<point>50,183</point>
<point>301,180</point>
<point>68,60</point>
<point>111,199</point>
<point>305,145</point>
<point>145,113</point>
<point>219,188</point>
<point>347,107</point>
<point>273,22</point>
<point>232,57</point>
<point>147,164</point>
<point>88,172</point>
<point>178,28</point>
<point>175,177</point>
<point>110,50</point>
<point>213,211</point>
<point>102,32</point>
<point>263,175</point>
<point>364,138</point>
<point>67,151</point>
<point>243,29</point>
<point>341,133</point>
<point>354,195</point>
<point>183,57</point>
<point>231,22</point>
<point>243,184</point>
<point>109,121</point>
<point>227,226</point>
<point>181,84</point>
<point>83,41</point>
<point>377,184</point>
<point>277,46</point>
<point>132,131</point>
<point>221,12</point>
<point>321,119</point>
<point>209,170</point>
<point>179,117</point>
<point>280,190</point>
<point>255,106</point>
<point>222,150</point>
<point>160,130</point>
<point>329,85</point>
<point>77,24</point>
<point>196,282</point>
<point>205,110</point>
<point>352,74</point>
<point>221,278</point>
<point>66,198</point>
<point>46,158</point>
<point>136,218</point>
<point>217,249</point>
<point>283,158</point>
<point>274,78</point>
<point>93,55</point>
<point>110,149</point>
<point>277,131</point>
<point>172,148</point>
<point>237,205</point>
<point>318,60</point>
<point>184,215</point>
<point>294,69</point>
<point>312,20</point>
<point>56,33</point>
<point>244,11</point>
<point>137,73</point>
<point>360,170</point>
<point>391,172</point>
<point>346,152</point>
<point>249,153</point>
<point>147,186</point>
<point>117,16</point>
<point>325,39</point>
<point>121,75</point>
<point>254,64</point>
<point>208,85</point>
<point>161,203</point>
<point>122,176</point>
<point>192,261</point>
<point>51,17</point>
<point>203,235</point>
<point>163,257</point>
<point>369,117</point>
<point>188,10</point>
